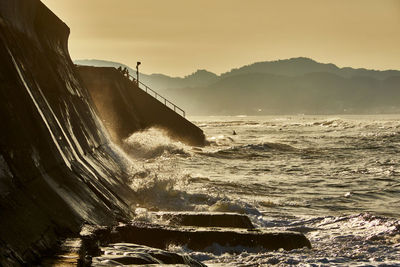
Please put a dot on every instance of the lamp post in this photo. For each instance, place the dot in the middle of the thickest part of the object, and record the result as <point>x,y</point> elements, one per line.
<point>137,71</point>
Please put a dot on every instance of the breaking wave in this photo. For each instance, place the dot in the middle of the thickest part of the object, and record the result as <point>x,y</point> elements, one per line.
<point>250,151</point>
<point>167,195</point>
<point>334,180</point>
<point>343,240</point>
<point>153,143</point>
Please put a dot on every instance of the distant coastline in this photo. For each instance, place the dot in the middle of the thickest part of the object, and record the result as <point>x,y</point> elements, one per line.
<point>291,86</point>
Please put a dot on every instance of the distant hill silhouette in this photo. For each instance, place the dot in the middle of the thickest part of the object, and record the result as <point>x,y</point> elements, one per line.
<point>159,81</point>
<point>300,66</point>
<point>292,86</point>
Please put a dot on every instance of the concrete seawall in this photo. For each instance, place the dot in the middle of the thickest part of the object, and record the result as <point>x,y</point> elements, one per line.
<point>58,168</point>
<point>125,108</point>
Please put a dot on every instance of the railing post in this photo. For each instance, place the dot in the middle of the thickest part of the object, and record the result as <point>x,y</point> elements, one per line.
<point>156,95</point>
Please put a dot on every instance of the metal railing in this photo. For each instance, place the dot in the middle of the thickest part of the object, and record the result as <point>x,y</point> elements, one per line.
<point>157,96</point>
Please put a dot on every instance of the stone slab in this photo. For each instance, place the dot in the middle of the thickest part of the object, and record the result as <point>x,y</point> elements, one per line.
<point>207,219</point>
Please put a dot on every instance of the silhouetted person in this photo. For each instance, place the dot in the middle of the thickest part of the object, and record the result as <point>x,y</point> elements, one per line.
<point>126,72</point>
<point>120,69</point>
<point>234,132</point>
<point>137,71</point>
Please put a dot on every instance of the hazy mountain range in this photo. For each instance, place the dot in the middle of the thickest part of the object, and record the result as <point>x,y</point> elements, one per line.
<point>292,86</point>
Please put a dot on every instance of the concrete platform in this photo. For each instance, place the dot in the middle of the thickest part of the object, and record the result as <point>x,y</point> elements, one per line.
<point>198,238</point>
<point>207,219</point>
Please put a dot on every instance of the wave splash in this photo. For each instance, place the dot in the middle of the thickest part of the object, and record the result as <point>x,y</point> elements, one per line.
<point>165,182</point>
<point>338,241</point>
<point>153,143</point>
<point>251,150</point>
<point>180,192</point>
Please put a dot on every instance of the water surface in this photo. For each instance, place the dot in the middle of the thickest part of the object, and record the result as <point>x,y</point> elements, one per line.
<point>334,178</point>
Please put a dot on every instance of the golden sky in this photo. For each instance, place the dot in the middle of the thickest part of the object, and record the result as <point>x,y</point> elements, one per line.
<point>177,37</point>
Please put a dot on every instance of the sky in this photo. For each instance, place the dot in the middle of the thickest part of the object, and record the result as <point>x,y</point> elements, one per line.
<point>177,37</point>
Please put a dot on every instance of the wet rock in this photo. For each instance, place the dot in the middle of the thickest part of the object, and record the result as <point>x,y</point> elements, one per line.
<point>129,254</point>
<point>206,219</point>
<point>69,254</point>
<point>195,238</point>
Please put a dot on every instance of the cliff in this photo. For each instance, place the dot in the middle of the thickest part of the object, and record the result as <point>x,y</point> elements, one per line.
<point>125,108</point>
<point>58,168</point>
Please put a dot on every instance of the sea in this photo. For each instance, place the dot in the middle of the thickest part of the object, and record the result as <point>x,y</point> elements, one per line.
<point>336,179</point>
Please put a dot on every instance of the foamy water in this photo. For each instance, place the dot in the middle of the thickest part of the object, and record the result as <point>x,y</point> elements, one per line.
<point>336,179</point>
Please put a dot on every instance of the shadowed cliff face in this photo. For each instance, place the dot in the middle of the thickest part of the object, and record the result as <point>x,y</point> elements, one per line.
<point>57,167</point>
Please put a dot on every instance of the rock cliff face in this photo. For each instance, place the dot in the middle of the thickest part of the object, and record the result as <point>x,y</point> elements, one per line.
<point>125,108</point>
<point>58,168</point>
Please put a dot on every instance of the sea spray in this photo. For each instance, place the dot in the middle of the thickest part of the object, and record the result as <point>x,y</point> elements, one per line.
<point>153,143</point>
<point>333,179</point>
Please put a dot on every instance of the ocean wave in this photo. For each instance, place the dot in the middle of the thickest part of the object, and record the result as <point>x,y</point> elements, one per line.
<point>228,205</point>
<point>308,178</point>
<point>270,146</point>
<point>220,140</point>
<point>250,151</point>
<point>163,187</point>
<point>153,143</point>
<point>381,136</point>
<point>337,241</point>
<point>167,188</point>
<point>219,124</point>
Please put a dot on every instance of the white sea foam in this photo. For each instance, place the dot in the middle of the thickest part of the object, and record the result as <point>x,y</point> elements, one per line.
<point>153,143</point>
